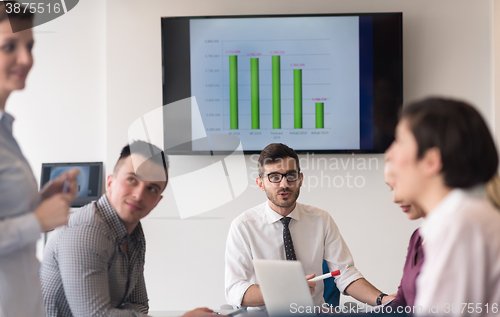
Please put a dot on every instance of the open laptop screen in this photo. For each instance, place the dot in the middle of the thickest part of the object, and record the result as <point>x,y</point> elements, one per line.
<point>89,186</point>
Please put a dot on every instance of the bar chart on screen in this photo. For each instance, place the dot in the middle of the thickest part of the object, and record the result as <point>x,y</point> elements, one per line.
<point>267,84</point>
<point>264,88</point>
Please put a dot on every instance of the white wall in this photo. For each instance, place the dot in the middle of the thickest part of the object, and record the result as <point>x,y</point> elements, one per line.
<point>60,116</point>
<point>98,68</point>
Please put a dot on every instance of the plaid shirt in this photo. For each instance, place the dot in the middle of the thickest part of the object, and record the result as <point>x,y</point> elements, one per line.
<point>86,272</point>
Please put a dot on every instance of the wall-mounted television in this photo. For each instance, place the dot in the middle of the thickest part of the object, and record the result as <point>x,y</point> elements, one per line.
<point>89,180</point>
<point>320,83</point>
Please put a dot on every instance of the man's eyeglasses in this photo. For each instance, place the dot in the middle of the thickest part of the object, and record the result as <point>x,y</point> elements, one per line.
<point>277,177</point>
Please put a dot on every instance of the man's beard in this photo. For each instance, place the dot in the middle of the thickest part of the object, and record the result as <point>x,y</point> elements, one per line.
<point>283,204</point>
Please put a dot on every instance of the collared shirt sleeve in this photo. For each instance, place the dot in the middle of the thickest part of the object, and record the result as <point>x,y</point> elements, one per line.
<point>138,300</point>
<point>338,256</point>
<point>83,254</point>
<point>18,232</point>
<point>239,266</point>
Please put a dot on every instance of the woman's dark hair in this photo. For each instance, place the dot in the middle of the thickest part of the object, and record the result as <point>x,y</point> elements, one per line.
<point>22,15</point>
<point>468,153</point>
<point>275,152</point>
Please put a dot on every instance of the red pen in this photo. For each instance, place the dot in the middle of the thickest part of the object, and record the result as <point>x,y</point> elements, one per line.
<point>324,276</point>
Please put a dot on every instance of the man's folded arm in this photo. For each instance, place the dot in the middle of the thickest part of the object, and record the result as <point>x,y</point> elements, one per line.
<point>253,297</point>
<point>138,300</point>
<point>84,255</point>
<point>339,257</point>
<point>363,291</point>
<point>239,269</point>
<point>351,282</point>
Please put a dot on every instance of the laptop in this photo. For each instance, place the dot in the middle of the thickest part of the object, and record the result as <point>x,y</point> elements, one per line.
<point>284,287</point>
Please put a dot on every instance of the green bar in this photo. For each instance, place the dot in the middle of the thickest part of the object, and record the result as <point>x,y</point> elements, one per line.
<point>320,115</point>
<point>297,98</point>
<point>276,92</point>
<point>254,83</point>
<point>233,91</point>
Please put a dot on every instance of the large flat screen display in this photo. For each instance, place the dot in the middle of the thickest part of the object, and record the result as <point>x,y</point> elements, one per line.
<point>318,83</point>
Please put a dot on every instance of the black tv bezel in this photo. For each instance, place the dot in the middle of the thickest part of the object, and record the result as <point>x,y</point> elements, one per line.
<point>169,99</point>
<point>79,201</point>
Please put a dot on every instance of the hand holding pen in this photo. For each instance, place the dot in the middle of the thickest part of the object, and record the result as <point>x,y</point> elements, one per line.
<point>324,276</point>
<point>56,198</point>
<point>65,183</point>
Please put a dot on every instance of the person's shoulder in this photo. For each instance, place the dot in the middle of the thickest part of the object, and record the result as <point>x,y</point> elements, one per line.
<point>478,212</point>
<point>256,213</point>
<point>84,215</point>
<point>86,222</point>
<point>312,211</point>
<point>474,219</point>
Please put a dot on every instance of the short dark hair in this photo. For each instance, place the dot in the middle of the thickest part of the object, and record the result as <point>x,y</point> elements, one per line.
<point>148,150</point>
<point>24,15</point>
<point>275,152</point>
<point>468,153</point>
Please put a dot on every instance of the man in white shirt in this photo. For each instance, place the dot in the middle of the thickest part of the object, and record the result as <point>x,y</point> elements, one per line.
<point>261,233</point>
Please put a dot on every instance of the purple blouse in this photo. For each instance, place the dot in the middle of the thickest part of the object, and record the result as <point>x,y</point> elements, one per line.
<point>407,290</point>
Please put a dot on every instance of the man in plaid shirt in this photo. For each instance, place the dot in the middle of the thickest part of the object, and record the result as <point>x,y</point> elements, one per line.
<point>94,265</point>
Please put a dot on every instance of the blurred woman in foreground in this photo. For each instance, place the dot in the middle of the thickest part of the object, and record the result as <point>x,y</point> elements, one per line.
<point>443,155</point>
<point>24,212</point>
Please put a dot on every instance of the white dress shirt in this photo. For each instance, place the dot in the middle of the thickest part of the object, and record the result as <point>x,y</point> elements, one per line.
<point>258,234</point>
<point>462,257</point>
